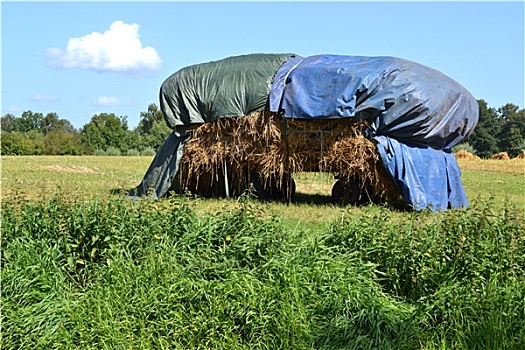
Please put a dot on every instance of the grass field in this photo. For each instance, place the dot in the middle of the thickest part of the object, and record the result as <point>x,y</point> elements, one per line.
<point>85,268</point>
<point>44,177</point>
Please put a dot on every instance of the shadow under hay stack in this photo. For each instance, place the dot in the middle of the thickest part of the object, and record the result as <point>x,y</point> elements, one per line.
<point>384,125</point>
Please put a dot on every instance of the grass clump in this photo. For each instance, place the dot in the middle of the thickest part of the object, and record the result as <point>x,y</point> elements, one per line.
<point>462,270</point>
<point>113,151</point>
<point>132,152</point>
<point>148,152</point>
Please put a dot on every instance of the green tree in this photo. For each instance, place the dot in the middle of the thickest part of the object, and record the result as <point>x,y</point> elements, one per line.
<point>8,123</point>
<point>134,140</point>
<point>512,133</point>
<point>148,119</point>
<point>13,143</point>
<point>106,130</point>
<point>152,129</point>
<point>28,143</point>
<point>156,137</point>
<point>485,136</point>
<point>51,122</point>
<point>35,140</point>
<point>60,142</point>
<point>28,121</point>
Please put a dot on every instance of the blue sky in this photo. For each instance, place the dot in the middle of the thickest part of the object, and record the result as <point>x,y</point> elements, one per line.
<point>78,59</point>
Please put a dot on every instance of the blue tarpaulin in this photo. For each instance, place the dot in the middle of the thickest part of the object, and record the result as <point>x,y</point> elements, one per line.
<point>416,115</point>
<point>427,178</point>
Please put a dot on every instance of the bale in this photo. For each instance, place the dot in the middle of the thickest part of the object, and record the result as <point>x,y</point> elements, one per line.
<point>356,159</point>
<point>501,155</point>
<point>464,154</point>
<point>265,147</point>
<point>521,155</point>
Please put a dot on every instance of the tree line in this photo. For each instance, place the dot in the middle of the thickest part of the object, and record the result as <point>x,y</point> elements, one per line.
<point>498,130</point>
<point>105,134</point>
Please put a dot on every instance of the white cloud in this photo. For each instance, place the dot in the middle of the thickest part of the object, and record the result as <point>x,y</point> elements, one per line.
<point>117,49</point>
<point>112,101</point>
<point>43,98</point>
<point>14,109</point>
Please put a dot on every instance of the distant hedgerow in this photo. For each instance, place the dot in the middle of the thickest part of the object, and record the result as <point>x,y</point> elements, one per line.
<point>132,152</point>
<point>99,152</point>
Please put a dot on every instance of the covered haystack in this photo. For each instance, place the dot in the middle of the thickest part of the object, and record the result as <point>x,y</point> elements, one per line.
<point>265,150</point>
<point>501,156</point>
<point>464,154</point>
<point>312,116</point>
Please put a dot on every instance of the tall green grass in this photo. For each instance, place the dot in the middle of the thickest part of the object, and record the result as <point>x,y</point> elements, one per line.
<point>155,275</point>
<point>462,270</point>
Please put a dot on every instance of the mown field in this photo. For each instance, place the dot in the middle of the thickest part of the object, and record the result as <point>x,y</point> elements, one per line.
<point>85,268</point>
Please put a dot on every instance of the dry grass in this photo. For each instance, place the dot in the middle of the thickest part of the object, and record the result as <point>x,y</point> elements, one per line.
<point>72,169</point>
<point>513,166</point>
<point>265,145</point>
<point>29,178</point>
<point>80,177</point>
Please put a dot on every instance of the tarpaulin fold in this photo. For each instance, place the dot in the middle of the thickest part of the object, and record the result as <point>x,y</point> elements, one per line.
<point>159,177</point>
<point>401,99</point>
<point>426,177</point>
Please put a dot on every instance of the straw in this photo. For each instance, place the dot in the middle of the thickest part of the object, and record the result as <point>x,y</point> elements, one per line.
<point>265,145</point>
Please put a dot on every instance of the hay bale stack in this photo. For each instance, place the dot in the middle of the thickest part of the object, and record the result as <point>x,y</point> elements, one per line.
<point>264,145</point>
<point>241,147</point>
<point>521,155</point>
<point>464,154</point>
<point>501,156</point>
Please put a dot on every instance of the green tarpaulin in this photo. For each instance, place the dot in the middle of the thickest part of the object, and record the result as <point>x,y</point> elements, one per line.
<point>232,87</point>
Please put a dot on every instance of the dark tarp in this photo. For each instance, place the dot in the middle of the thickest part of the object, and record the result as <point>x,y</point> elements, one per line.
<point>162,170</point>
<point>232,87</point>
<point>416,115</point>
